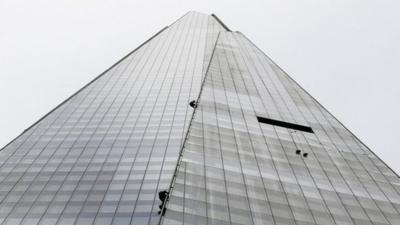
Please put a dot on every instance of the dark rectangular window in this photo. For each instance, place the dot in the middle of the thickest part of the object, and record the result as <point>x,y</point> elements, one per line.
<point>285,124</point>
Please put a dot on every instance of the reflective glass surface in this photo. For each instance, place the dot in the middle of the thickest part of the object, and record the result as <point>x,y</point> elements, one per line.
<point>235,170</point>
<point>103,155</point>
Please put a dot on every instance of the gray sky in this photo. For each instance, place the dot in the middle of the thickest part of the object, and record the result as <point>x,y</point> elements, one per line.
<point>345,53</point>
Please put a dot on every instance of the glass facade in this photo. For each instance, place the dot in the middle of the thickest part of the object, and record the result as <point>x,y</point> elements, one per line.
<point>103,155</point>
<point>235,170</point>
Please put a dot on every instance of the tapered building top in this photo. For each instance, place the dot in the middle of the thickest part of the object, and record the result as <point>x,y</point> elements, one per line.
<point>195,126</point>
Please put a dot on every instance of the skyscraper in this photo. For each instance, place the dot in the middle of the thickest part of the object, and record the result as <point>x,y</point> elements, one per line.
<point>195,126</point>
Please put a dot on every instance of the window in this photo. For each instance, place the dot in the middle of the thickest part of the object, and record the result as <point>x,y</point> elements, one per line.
<point>284,124</point>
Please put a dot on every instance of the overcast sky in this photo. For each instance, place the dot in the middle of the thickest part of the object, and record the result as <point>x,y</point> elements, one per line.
<point>345,53</point>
